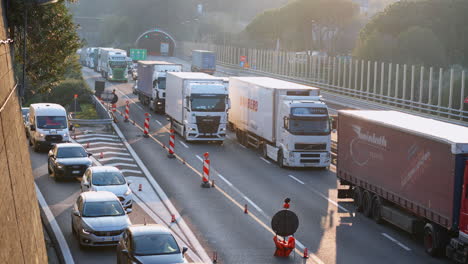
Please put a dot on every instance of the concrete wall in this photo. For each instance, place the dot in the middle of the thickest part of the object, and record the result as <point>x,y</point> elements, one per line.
<point>21,237</point>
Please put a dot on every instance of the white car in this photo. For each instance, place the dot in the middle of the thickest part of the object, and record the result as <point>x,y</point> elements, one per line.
<point>108,178</point>
<point>98,219</point>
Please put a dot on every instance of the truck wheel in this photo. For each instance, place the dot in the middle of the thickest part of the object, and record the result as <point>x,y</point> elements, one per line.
<point>367,203</point>
<point>357,197</point>
<point>377,209</point>
<point>431,240</point>
<point>280,159</point>
<point>263,149</point>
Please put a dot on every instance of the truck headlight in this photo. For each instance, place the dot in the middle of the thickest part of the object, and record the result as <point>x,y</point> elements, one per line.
<point>41,135</point>
<point>111,76</point>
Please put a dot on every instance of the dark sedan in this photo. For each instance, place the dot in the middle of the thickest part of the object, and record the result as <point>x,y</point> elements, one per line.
<point>68,160</point>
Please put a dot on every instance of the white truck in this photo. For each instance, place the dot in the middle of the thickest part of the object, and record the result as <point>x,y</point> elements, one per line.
<point>151,87</point>
<point>48,125</point>
<point>197,105</point>
<point>90,52</point>
<point>288,122</point>
<point>114,65</point>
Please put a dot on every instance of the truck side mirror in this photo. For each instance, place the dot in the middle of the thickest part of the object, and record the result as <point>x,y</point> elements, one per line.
<point>285,122</point>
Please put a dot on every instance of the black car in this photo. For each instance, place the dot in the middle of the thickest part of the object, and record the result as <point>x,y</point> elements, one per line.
<point>148,244</point>
<point>68,160</point>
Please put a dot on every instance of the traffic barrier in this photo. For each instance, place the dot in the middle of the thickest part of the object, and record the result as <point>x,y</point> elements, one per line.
<point>173,220</point>
<point>101,156</point>
<point>171,144</point>
<point>206,171</point>
<point>87,145</point>
<point>140,187</point>
<point>127,111</point>
<point>246,211</point>
<point>215,257</point>
<point>114,108</point>
<point>146,130</point>
<point>306,253</point>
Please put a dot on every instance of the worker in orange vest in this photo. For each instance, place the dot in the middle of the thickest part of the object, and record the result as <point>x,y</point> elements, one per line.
<point>283,248</point>
<point>286,203</point>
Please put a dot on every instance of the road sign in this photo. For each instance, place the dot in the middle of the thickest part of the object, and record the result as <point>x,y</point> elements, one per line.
<point>243,58</point>
<point>138,54</point>
<point>466,100</point>
<point>284,223</point>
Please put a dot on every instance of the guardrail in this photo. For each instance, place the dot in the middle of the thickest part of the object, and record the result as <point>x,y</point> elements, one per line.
<point>102,112</point>
<point>433,92</point>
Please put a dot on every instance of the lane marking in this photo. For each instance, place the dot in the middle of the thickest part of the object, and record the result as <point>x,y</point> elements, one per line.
<point>265,160</point>
<point>396,241</point>
<point>112,153</point>
<point>130,171</point>
<point>296,179</point>
<point>97,138</point>
<point>242,145</point>
<point>103,143</point>
<point>328,199</point>
<point>110,148</point>
<point>183,144</point>
<point>96,135</point>
<point>198,157</point>
<point>116,158</point>
<point>159,123</point>
<point>65,250</point>
<point>253,204</point>
<point>122,164</point>
<point>135,103</point>
<point>228,137</point>
<point>224,179</point>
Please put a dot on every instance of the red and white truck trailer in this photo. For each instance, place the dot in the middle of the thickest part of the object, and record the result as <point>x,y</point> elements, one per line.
<point>409,171</point>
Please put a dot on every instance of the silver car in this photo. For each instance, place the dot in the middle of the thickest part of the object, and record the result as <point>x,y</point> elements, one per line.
<point>149,244</point>
<point>98,219</point>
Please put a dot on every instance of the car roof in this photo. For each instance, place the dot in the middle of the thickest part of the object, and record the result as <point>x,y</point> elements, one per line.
<point>100,196</point>
<point>68,145</point>
<point>148,229</point>
<point>103,168</point>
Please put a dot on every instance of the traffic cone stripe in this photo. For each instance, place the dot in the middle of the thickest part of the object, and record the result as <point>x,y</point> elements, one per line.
<point>171,142</point>
<point>127,111</point>
<point>146,130</point>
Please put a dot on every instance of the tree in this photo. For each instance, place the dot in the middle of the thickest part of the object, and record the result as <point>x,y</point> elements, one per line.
<point>51,41</point>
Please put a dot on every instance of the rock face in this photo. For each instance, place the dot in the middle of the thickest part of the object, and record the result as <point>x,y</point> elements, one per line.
<point>21,235</point>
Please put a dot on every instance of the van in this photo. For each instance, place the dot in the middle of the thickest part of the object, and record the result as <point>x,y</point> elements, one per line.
<point>48,125</point>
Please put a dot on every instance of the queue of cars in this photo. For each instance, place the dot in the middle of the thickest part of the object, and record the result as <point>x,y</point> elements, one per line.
<point>100,214</point>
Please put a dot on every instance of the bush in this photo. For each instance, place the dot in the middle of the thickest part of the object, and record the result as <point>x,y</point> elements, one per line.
<point>64,92</point>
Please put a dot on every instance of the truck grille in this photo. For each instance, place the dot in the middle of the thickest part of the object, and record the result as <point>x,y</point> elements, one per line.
<point>311,147</point>
<point>208,124</point>
<point>108,233</point>
<point>53,138</point>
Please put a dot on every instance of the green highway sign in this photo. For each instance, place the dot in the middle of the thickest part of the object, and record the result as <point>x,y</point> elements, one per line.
<point>138,54</point>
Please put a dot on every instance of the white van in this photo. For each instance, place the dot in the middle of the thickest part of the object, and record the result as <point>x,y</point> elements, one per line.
<point>48,125</point>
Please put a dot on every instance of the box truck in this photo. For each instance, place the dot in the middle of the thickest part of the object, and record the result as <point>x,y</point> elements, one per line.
<point>151,85</point>
<point>288,122</point>
<point>197,105</point>
<point>409,171</point>
<point>203,61</point>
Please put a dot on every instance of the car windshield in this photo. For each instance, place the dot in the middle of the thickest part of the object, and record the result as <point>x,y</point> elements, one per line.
<point>108,178</point>
<point>51,122</point>
<point>309,126</point>
<point>208,103</point>
<point>118,64</point>
<point>100,209</point>
<point>155,244</point>
<point>71,152</point>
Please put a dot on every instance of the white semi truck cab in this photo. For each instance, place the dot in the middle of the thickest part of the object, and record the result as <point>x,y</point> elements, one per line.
<point>159,83</point>
<point>197,105</point>
<point>288,122</point>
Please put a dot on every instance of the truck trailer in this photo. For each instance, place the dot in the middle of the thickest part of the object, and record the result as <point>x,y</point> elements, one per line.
<point>288,122</point>
<point>113,63</point>
<point>203,61</point>
<point>409,171</point>
<point>151,87</point>
<point>197,105</point>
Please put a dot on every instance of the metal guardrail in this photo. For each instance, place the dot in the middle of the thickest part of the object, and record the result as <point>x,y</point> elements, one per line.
<point>380,85</point>
<point>102,112</point>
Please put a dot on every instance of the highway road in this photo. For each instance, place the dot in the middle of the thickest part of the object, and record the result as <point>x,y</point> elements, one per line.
<point>330,229</point>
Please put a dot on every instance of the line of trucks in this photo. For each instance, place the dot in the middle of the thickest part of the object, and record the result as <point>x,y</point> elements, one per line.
<point>113,64</point>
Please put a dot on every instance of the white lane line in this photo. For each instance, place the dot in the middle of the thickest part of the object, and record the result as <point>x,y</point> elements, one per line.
<point>265,160</point>
<point>183,144</point>
<point>198,157</point>
<point>242,145</point>
<point>116,158</point>
<point>96,135</point>
<point>97,138</point>
<point>131,100</point>
<point>253,204</point>
<point>105,148</point>
<point>296,179</point>
<point>228,137</point>
<point>328,199</point>
<point>159,123</point>
<point>396,241</point>
<point>130,171</point>
<point>55,227</point>
<point>103,143</point>
<point>111,153</point>
<point>225,180</point>
<point>122,164</point>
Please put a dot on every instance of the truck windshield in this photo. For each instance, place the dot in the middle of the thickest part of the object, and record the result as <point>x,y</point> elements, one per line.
<point>162,83</point>
<point>51,122</point>
<point>118,64</point>
<point>309,126</point>
<point>208,102</point>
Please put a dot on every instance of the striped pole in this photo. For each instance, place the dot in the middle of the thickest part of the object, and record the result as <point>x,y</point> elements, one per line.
<point>171,144</point>
<point>206,171</point>
<point>114,108</point>
<point>127,111</point>
<point>146,131</point>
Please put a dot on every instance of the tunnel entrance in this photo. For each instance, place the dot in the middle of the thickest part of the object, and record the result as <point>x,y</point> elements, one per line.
<point>156,42</point>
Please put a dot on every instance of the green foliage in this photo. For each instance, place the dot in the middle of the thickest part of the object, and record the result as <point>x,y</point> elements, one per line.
<point>88,112</point>
<point>431,32</point>
<point>51,40</point>
<point>64,93</point>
